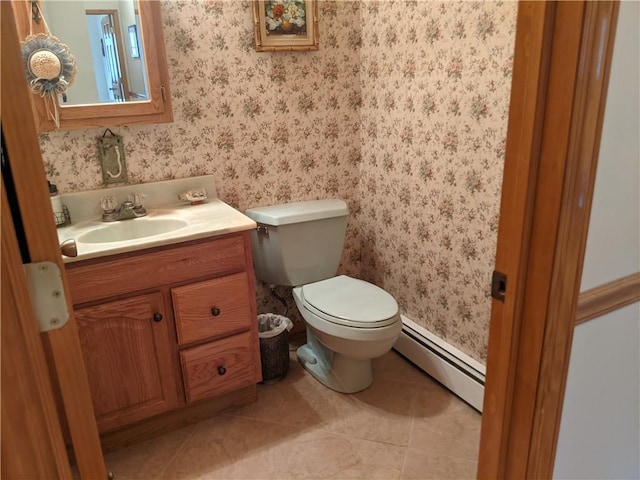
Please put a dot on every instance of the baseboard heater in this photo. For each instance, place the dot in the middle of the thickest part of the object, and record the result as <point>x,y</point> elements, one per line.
<point>454,369</point>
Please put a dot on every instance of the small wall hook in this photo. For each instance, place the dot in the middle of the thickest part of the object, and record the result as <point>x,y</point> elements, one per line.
<point>35,12</point>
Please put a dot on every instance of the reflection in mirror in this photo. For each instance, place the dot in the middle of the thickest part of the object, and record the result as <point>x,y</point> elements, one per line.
<point>104,36</point>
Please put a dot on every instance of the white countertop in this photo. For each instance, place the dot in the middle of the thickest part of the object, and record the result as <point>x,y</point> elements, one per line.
<point>210,219</point>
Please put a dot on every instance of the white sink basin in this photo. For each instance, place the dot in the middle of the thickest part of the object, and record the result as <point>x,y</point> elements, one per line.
<point>132,229</point>
<point>167,222</point>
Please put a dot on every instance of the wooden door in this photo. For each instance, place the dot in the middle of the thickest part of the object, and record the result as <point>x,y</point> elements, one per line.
<point>32,442</point>
<point>40,243</point>
<point>127,349</point>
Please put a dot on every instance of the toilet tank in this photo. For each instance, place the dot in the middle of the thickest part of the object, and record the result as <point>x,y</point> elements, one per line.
<point>298,243</point>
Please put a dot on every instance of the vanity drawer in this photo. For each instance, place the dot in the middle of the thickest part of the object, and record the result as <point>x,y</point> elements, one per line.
<point>93,280</point>
<point>220,367</point>
<point>212,308</point>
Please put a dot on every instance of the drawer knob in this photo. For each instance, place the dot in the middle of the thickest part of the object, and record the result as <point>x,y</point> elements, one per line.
<point>215,311</point>
<point>157,317</point>
<point>221,370</point>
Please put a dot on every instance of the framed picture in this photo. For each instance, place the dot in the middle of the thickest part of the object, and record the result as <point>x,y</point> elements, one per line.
<point>133,41</point>
<point>285,25</point>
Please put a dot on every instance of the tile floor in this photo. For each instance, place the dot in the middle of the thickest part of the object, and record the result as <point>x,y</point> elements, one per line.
<point>405,426</point>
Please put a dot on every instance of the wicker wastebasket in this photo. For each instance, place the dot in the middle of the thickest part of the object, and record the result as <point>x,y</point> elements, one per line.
<point>273,331</point>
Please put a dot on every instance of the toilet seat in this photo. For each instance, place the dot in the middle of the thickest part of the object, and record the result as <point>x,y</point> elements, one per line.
<point>350,302</point>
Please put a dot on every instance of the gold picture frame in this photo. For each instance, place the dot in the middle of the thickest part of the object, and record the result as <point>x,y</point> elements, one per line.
<point>285,25</point>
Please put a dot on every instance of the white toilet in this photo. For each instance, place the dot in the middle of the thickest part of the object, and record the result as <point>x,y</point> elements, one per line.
<point>349,321</point>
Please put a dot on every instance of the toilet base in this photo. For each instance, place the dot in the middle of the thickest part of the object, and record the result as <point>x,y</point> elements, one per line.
<point>333,370</point>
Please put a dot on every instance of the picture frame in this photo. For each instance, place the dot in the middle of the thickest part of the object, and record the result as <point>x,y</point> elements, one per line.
<point>285,25</point>
<point>134,47</point>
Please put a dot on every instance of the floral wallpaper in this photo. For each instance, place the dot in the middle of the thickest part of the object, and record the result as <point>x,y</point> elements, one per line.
<point>435,99</point>
<point>404,119</point>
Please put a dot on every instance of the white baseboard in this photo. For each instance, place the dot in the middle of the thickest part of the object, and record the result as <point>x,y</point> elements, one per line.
<point>454,369</point>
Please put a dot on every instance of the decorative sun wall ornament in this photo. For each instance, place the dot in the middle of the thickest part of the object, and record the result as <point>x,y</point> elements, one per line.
<point>49,64</point>
<point>50,68</point>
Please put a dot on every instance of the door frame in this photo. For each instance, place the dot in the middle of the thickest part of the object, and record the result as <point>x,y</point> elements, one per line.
<point>561,64</point>
<point>562,61</point>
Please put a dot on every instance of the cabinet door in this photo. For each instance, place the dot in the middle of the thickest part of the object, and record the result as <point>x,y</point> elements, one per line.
<point>128,355</point>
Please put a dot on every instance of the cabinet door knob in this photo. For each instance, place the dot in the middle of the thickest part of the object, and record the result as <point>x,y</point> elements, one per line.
<point>157,317</point>
<point>221,370</point>
<point>215,311</point>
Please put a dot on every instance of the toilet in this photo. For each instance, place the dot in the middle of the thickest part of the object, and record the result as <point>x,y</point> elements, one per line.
<point>349,322</point>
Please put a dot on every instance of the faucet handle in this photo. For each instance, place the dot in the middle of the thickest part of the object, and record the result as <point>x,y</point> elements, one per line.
<point>108,204</point>
<point>137,199</point>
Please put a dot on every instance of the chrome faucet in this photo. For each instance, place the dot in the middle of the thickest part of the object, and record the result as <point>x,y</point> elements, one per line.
<point>131,208</point>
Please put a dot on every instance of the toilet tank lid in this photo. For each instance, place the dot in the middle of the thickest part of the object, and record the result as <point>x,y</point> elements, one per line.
<point>297,212</point>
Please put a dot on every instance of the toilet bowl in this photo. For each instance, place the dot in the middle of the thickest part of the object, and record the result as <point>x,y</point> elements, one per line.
<point>349,323</point>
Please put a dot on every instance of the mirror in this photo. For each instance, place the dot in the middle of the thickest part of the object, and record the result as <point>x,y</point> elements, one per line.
<point>122,74</point>
<point>109,44</point>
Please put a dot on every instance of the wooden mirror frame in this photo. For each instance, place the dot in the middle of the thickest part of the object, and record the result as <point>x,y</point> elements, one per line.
<point>157,109</point>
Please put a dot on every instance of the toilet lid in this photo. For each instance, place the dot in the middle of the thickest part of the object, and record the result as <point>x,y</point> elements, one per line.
<point>350,302</point>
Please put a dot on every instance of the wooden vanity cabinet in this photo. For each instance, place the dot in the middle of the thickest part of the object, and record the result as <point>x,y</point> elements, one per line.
<point>166,327</point>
